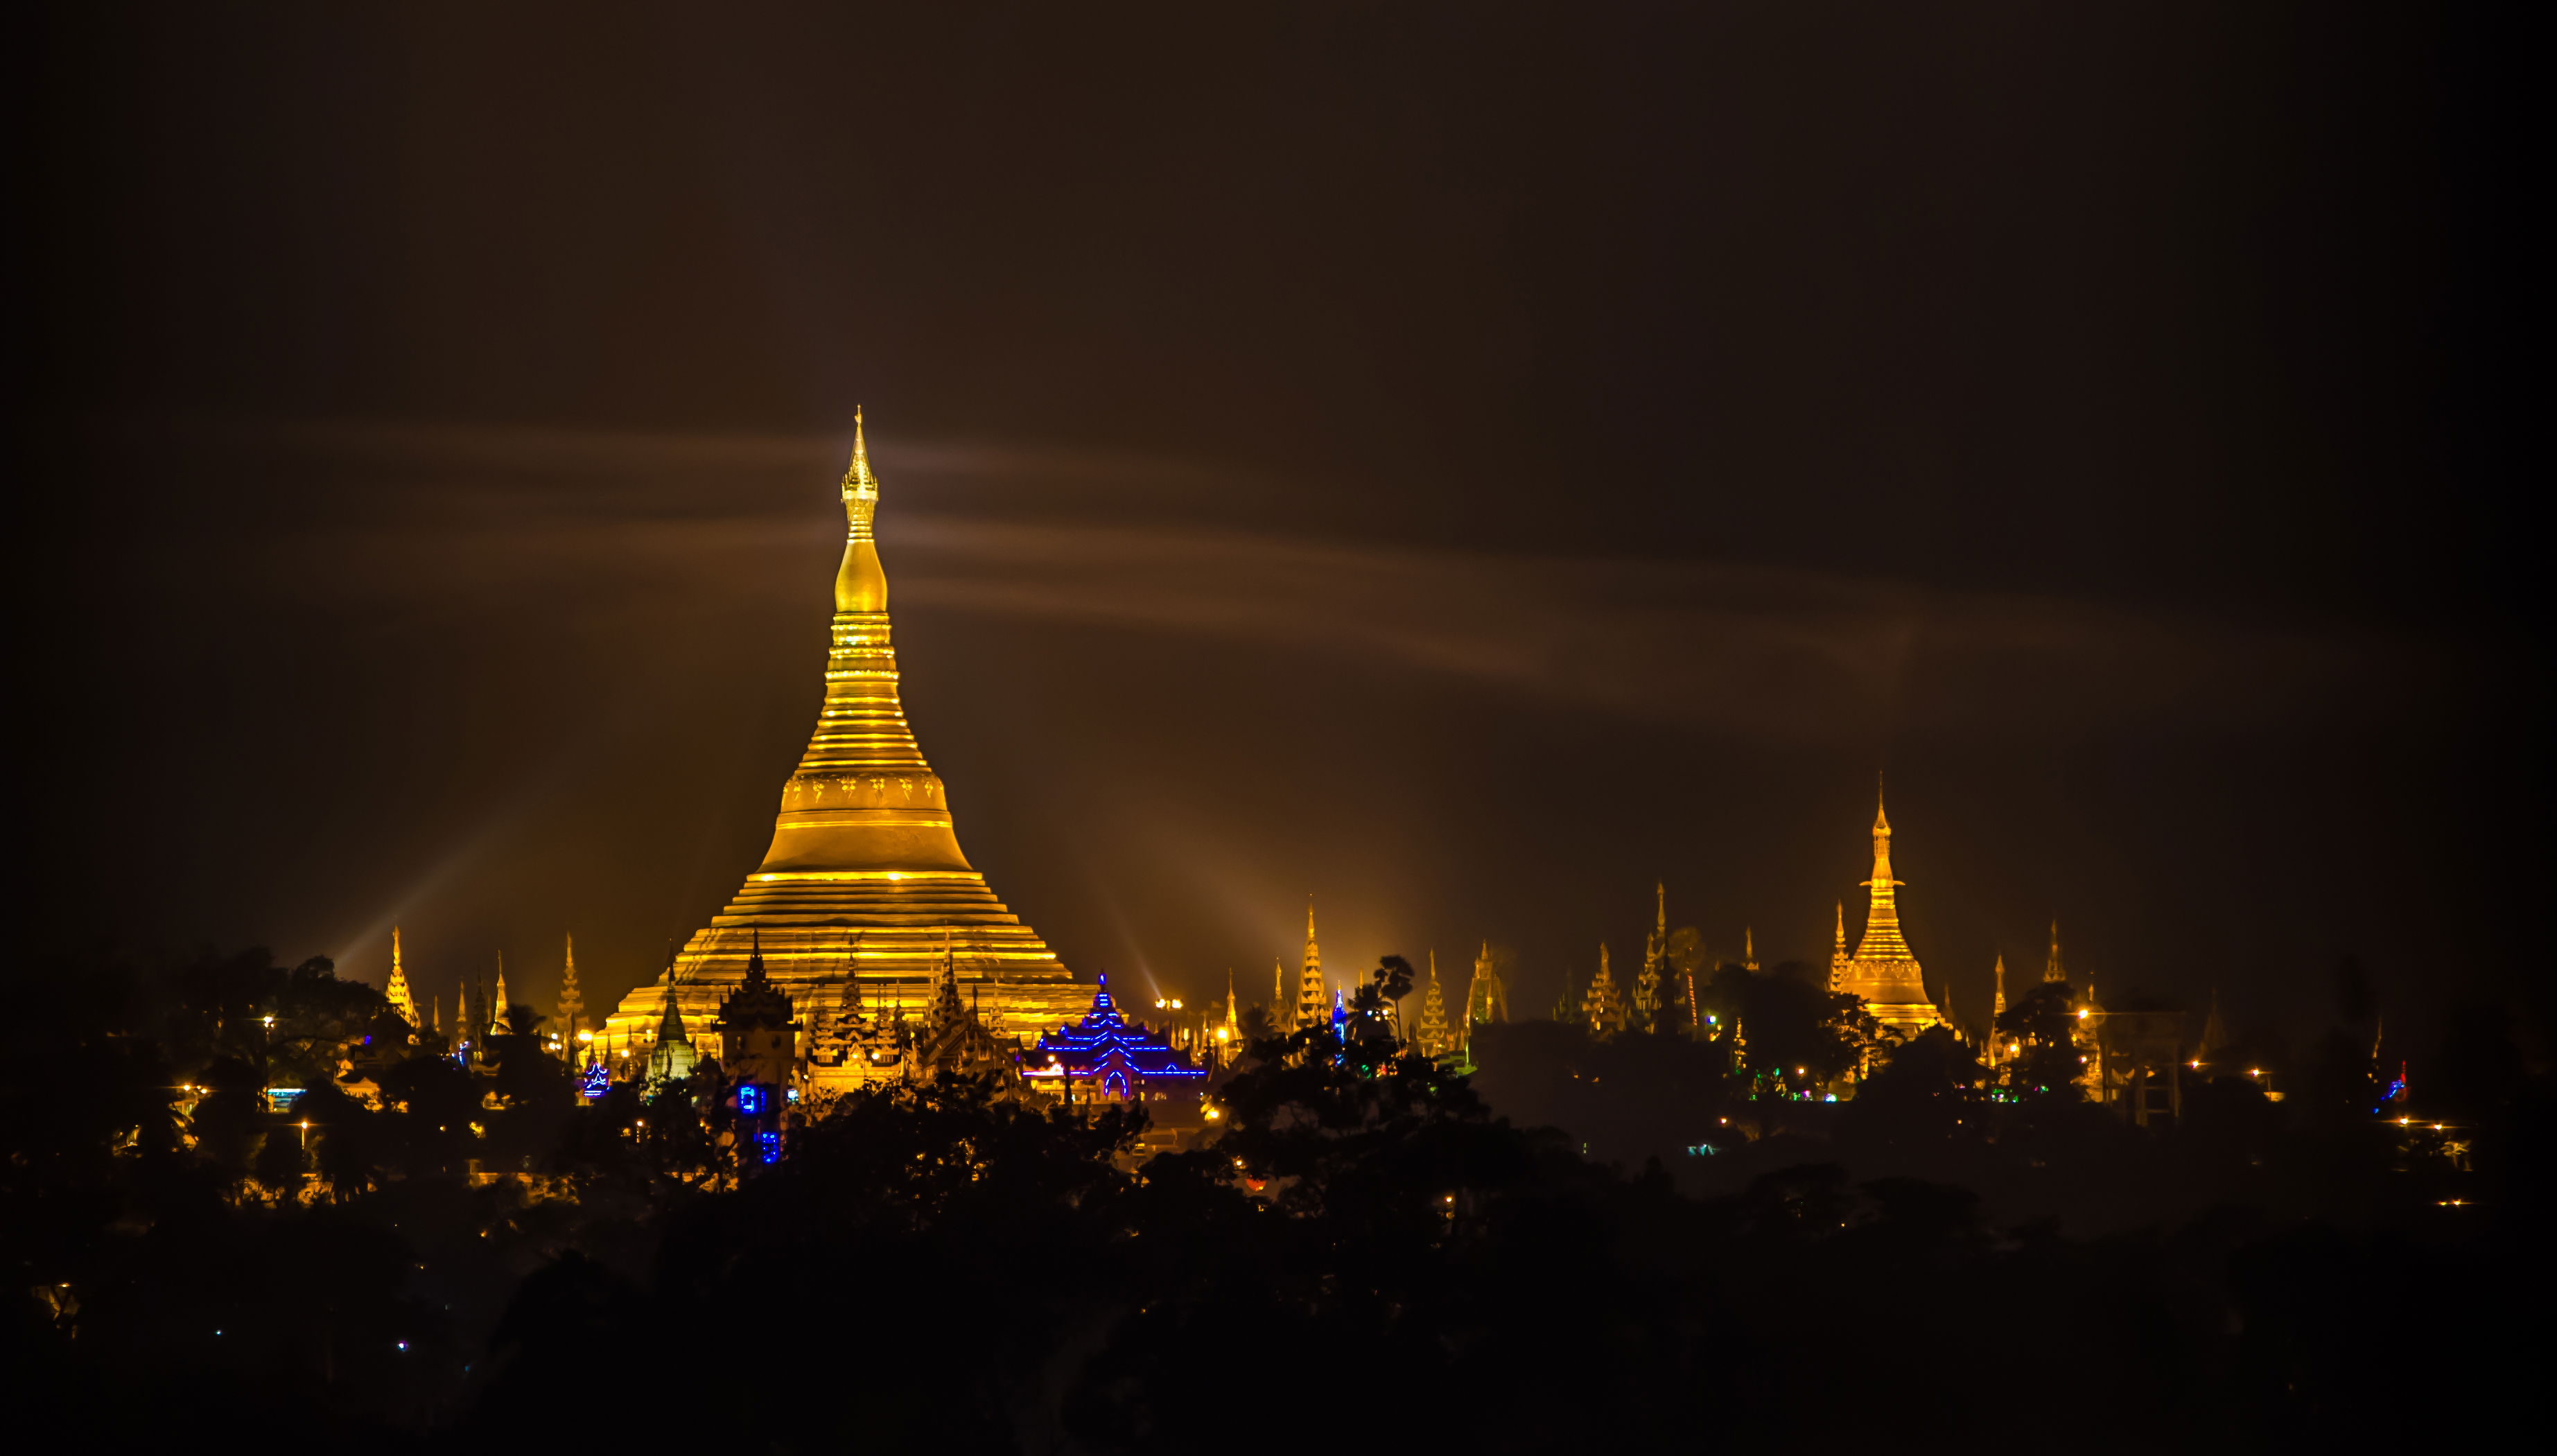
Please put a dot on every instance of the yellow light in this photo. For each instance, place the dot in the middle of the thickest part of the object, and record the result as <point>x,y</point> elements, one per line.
<point>2082,1013</point>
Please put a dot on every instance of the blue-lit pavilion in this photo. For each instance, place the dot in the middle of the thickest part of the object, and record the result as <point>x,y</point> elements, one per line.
<point>1105,1057</point>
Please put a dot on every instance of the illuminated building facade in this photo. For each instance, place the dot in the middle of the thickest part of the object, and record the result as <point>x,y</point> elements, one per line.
<point>864,898</point>
<point>1883,969</point>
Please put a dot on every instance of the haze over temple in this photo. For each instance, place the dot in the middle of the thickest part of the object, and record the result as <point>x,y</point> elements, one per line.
<point>863,900</point>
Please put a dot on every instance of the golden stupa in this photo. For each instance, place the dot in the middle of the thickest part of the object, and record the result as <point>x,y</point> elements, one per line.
<point>864,891</point>
<point>1883,969</point>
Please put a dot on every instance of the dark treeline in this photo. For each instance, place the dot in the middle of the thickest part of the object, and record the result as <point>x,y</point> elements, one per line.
<point>1364,1251</point>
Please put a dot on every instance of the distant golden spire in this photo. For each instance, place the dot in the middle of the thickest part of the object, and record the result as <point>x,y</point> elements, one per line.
<point>402,999</point>
<point>1998,1008</point>
<point>2052,969</point>
<point>1313,997</point>
<point>572,1005</point>
<point>1748,949</point>
<point>1882,940</point>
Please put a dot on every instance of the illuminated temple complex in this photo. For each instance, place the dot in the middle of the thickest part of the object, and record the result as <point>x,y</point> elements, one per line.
<point>865,908</point>
<point>1883,969</point>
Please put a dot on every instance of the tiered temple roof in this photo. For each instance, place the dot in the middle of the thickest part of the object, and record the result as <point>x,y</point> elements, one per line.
<point>1112,1055</point>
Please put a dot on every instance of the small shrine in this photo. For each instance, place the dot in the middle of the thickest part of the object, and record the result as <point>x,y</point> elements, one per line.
<point>1105,1057</point>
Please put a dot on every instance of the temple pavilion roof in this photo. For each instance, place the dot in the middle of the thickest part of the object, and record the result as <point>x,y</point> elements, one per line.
<point>1105,1040</point>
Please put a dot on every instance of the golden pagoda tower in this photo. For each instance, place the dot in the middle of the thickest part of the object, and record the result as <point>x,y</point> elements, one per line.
<point>2052,969</point>
<point>1433,1034</point>
<point>1486,998</point>
<point>402,999</point>
<point>1314,1002</point>
<point>1603,1008</point>
<point>496,1013</point>
<point>1883,969</point>
<point>572,1005</point>
<point>1994,1049</point>
<point>864,878</point>
<point>1837,955</point>
<point>1748,949</point>
<point>1656,961</point>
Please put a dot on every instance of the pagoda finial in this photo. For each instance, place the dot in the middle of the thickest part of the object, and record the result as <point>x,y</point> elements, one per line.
<point>1881,821</point>
<point>859,483</point>
<point>2052,969</point>
<point>861,586</point>
<point>1748,949</point>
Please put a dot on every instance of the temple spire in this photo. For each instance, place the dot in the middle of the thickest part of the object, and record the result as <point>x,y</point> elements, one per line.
<point>1837,952</point>
<point>497,1015</point>
<point>572,1005</point>
<point>402,999</point>
<point>1310,999</point>
<point>1997,1008</point>
<point>2052,969</point>
<point>1882,940</point>
<point>1748,949</point>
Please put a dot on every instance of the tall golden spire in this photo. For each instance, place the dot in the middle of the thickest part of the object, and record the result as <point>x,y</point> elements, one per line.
<point>402,999</point>
<point>497,1013</point>
<point>864,801</point>
<point>1882,940</point>
<point>1884,972</point>
<point>572,1005</point>
<point>2052,969</point>
<point>1997,1008</point>
<point>1837,952</point>
<point>1314,1000</point>
<point>859,583</point>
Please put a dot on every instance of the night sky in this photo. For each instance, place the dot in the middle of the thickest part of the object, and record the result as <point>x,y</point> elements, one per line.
<point>1461,462</point>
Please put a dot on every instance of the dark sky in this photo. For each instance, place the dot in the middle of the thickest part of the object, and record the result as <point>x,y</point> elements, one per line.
<point>1465,463</point>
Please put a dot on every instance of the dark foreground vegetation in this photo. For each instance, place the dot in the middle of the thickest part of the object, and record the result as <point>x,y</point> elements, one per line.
<point>1364,1254</point>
